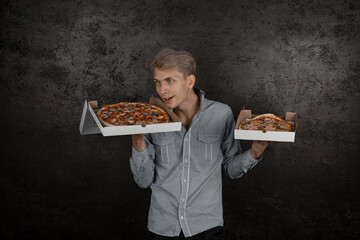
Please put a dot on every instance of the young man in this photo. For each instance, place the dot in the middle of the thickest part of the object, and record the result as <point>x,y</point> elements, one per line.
<point>183,169</point>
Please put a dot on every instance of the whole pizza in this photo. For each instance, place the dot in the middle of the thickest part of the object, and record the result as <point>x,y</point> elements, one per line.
<point>127,113</point>
<point>267,122</point>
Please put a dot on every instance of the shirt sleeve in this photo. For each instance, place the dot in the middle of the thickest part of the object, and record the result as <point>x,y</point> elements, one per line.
<point>235,162</point>
<point>142,164</point>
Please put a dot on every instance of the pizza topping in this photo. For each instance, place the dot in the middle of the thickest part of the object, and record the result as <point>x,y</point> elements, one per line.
<point>131,114</point>
<point>267,122</point>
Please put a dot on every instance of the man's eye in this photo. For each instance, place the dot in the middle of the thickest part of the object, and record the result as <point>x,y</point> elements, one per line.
<point>170,80</point>
<point>157,82</point>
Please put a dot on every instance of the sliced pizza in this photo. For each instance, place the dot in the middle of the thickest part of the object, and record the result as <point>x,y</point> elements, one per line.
<point>128,113</point>
<point>267,122</point>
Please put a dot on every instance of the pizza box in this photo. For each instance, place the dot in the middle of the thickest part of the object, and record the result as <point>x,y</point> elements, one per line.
<point>90,123</point>
<point>275,136</point>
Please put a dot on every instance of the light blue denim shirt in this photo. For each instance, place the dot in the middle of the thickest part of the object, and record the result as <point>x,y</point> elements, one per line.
<point>183,170</point>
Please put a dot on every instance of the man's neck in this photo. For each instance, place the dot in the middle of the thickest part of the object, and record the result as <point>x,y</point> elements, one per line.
<point>187,110</point>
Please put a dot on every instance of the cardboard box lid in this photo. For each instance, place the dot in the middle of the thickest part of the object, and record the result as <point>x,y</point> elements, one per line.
<point>87,122</point>
<point>157,102</point>
<point>244,114</point>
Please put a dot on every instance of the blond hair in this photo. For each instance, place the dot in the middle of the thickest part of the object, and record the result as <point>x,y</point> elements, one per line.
<point>169,58</point>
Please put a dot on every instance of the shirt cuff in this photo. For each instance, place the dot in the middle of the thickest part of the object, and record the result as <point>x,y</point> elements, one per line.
<point>139,158</point>
<point>251,162</point>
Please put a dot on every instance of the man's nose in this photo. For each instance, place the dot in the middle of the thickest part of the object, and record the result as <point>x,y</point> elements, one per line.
<point>163,89</point>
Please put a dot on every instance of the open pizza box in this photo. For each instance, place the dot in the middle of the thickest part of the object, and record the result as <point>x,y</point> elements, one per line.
<point>275,136</point>
<point>90,123</point>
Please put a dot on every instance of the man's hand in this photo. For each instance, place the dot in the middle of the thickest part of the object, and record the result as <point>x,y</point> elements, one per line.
<point>258,148</point>
<point>138,142</point>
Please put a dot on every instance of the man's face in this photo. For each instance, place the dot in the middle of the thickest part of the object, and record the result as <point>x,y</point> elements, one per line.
<point>172,86</point>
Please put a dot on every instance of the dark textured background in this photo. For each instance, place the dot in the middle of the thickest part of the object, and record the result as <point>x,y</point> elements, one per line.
<point>271,56</point>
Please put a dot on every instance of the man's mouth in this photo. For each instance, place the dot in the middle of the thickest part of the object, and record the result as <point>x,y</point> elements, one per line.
<point>168,100</point>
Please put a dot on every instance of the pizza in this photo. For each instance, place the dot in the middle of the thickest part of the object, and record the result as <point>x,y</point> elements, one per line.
<point>267,122</point>
<point>127,113</point>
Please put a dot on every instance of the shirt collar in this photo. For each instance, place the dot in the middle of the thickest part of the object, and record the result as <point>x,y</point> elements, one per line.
<point>201,95</point>
<point>202,99</point>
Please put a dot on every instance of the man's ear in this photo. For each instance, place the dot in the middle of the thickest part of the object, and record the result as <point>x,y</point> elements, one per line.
<point>191,80</point>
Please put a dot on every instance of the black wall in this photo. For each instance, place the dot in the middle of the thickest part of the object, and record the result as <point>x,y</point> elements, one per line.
<point>269,56</point>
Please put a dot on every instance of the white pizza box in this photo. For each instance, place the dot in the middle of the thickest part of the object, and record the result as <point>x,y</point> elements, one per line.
<point>275,136</point>
<point>90,123</point>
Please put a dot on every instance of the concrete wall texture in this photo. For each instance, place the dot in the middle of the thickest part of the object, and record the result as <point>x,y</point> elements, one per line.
<point>269,56</point>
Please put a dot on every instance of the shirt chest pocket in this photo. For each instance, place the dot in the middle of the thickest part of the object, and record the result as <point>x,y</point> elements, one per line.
<point>209,147</point>
<point>165,149</point>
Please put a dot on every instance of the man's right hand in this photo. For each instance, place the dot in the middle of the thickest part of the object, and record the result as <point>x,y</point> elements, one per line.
<point>138,142</point>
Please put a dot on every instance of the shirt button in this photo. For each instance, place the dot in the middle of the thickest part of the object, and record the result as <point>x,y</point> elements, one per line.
<point>185,160</point>
<point>181,217</point>
<point>185,180</point>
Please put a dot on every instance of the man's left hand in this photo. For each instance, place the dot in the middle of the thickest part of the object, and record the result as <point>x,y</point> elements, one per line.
<point>258,148</point>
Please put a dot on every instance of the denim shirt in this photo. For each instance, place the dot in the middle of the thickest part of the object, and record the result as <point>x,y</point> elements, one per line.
<point>183,170</point>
